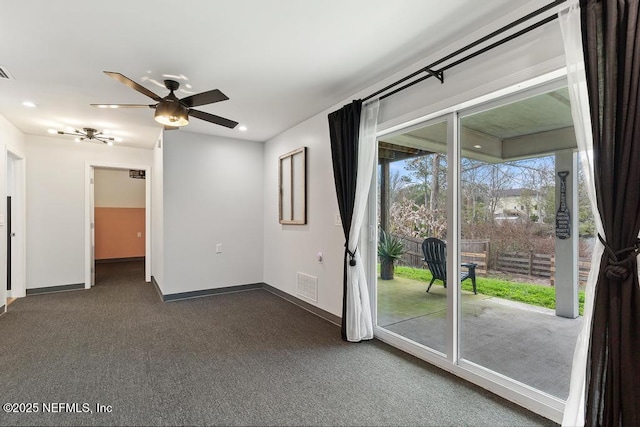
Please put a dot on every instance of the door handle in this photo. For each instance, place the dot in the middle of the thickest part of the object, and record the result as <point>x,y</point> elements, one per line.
<point>13,234</point>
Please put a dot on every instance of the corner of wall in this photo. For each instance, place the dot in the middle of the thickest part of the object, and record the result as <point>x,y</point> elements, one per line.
<point>157,214</point>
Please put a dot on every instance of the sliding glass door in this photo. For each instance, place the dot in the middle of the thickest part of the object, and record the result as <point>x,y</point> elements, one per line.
<point>487,201</point>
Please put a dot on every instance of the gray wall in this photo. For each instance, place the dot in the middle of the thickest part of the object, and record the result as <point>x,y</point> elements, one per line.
<point>212,195</point>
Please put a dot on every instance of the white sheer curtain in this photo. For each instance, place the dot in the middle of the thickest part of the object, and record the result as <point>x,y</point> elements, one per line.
<point>359,323</point>
<point>570,24</point>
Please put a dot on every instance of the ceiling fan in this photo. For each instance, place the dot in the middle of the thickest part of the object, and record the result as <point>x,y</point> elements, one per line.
<point>171,111</point>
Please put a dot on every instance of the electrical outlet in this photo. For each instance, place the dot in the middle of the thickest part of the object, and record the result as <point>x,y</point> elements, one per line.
<point>219,248</point>
<point>139,234</point>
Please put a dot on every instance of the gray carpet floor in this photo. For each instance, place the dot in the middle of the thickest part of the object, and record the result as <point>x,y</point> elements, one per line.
<point>246,358</point>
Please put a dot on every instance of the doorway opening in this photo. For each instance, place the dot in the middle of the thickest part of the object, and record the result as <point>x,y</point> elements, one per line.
<point>14,222</point>
<point>118,217</point>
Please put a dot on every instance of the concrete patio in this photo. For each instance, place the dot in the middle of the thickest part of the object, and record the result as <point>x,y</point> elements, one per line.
<point>529,344</point>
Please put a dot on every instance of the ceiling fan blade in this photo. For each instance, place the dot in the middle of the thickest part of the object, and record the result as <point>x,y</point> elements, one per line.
<point>204,98</point>
<point>213,119</point>
<point>123,105</point>
<point>133,85</point>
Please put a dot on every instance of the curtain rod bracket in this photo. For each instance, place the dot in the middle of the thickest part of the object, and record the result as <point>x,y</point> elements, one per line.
<point>437,74</point>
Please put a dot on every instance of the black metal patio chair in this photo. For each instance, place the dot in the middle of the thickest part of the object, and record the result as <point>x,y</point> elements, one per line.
<point>435,256</point>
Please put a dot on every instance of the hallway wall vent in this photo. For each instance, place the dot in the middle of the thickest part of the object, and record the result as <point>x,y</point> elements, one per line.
<point>308,286</point>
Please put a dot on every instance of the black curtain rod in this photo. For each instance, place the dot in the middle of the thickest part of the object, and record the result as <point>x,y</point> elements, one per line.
<point>429,69</point>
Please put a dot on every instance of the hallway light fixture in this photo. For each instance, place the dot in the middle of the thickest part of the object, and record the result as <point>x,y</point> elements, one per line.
<point>90,134</point>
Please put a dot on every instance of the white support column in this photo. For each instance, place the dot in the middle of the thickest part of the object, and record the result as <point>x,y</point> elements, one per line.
<point>566,275</point>
<point>453,236</point>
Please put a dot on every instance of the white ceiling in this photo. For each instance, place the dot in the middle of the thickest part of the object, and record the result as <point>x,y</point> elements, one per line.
<point>279,61</point>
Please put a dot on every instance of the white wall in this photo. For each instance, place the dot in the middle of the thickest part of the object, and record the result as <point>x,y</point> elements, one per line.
<point>291,249</point>
<point>114,188</point>
<point>529,56</point>
<point>157,213</point>
<point>10,139</point>
<point>212,194</point>
<point>56,205</point>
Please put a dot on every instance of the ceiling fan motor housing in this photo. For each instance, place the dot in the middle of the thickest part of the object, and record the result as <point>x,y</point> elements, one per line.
<point>171,85</point>
<point>171,112</point>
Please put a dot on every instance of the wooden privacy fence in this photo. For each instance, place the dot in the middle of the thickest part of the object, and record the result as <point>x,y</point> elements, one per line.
<point>525,263</point>
<point>584,266</point>
<point>541,265</point>
<point>476,251</point>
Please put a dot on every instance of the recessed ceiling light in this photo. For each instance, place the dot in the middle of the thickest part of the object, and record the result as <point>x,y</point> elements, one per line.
<point>242,128</point>
<point>477,146</point>
<point>29,104</point>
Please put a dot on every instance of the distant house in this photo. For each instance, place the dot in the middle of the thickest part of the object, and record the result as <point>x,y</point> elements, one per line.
<point>516,204</point>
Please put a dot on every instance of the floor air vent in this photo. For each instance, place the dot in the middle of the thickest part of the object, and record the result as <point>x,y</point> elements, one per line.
<point>308,287</point>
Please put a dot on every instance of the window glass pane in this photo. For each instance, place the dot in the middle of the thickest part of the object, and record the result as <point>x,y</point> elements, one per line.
<point>521,323</point>
<point>412,189</point>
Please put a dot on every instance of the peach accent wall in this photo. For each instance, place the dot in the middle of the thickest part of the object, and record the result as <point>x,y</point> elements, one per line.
<point>117,232</point>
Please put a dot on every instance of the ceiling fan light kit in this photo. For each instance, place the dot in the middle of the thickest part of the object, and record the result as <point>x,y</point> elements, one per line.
<point>171,111</point>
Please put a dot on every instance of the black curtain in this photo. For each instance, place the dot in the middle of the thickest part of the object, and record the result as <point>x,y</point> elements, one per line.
<point>344,129</point>
<point>611,43</point>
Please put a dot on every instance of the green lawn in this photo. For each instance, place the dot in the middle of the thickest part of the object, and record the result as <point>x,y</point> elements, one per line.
<point>543,296</point>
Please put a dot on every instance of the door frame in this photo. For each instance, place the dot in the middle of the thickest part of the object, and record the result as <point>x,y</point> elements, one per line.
<point>19,223</point>
<point>89,203</point>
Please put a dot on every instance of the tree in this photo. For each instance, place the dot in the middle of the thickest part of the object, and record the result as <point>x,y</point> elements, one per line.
<point>396,184</point>
<point>420,170</point>
<point>428,174</point>
<point>538,175</point>
<point>475,191</point>
<point>409,219</point>
<point>486,182</point>
<point>586,221</point>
